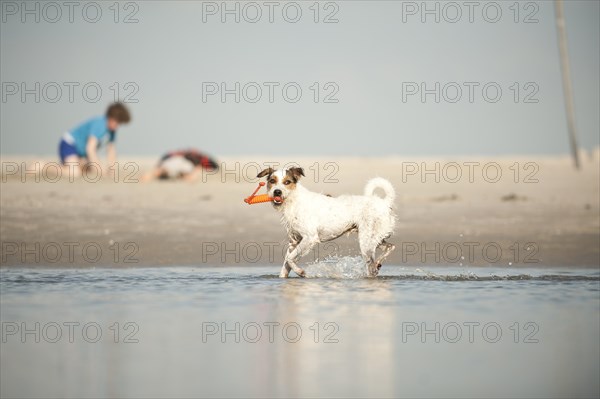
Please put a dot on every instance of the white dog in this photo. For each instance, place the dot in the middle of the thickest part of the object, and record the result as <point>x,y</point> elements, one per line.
<point>311,218</point>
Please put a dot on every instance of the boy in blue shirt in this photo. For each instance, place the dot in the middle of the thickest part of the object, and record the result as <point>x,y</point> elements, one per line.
<point>79,145</point>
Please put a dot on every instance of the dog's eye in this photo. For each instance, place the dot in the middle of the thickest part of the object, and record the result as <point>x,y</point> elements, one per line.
<point>286,182</point>
<point>272,181</point>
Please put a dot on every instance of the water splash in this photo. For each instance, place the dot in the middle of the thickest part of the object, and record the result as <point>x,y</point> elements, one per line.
<point>333,266</point>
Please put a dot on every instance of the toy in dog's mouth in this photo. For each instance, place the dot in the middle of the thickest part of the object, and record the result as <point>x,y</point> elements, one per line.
<point>262,198</point>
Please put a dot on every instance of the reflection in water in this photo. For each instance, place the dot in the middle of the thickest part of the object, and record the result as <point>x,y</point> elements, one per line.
<point>367,346</point>
<point>396,334</point>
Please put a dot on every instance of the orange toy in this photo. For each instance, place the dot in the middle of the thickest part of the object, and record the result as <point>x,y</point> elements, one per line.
<point>257,199</point>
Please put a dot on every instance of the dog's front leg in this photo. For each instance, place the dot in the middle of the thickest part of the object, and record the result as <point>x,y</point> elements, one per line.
<point>297,252</point>
<point>289,264</point>
<point>285,269</point>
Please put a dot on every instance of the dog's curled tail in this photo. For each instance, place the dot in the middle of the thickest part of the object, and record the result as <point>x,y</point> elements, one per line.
<point>385,185</point>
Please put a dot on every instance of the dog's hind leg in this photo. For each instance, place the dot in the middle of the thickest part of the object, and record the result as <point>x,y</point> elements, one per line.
<point>368,245</point>
<point>368,257</point>
<point>387,249</point>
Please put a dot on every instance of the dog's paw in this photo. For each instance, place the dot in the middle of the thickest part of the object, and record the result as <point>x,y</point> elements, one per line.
<point>373,269</point>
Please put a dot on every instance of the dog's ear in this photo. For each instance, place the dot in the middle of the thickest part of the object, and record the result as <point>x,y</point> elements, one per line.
<point>296,173</point>
<point>266,172</point>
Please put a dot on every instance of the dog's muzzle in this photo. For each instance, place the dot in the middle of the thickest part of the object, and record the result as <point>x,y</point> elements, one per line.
<point>277,200</point>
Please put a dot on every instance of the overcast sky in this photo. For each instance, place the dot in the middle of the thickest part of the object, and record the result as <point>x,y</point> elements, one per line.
<point>360,76</point>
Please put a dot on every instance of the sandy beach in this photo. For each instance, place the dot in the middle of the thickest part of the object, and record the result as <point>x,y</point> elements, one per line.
<point>496,265</point>
<point>531,211</point>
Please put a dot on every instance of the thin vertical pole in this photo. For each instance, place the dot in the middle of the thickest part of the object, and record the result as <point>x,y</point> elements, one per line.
<point>566,79</point>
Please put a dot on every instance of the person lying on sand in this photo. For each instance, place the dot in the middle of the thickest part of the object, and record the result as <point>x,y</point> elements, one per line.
<point>79,146</point>
<point>185,164</point>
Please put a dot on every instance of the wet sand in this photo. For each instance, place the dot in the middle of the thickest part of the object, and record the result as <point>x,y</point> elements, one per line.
<point>540,212</point>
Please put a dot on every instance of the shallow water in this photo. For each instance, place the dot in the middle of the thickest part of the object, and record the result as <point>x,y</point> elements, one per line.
<point>204,331</point>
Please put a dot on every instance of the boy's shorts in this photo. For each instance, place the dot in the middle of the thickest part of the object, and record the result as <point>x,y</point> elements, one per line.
<point>66,149</point>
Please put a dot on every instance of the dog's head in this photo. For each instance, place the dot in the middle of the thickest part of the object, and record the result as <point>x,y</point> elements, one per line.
<point>281,183</point>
